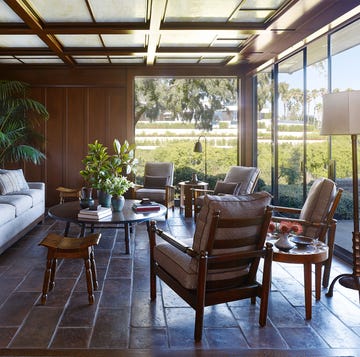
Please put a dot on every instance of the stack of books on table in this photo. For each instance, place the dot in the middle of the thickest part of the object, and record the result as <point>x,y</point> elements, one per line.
<point>98,213</point>
<point>145,207</point>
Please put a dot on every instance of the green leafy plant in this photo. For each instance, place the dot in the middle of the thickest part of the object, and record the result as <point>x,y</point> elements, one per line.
<point>19,118</point>
<point>100,168</point>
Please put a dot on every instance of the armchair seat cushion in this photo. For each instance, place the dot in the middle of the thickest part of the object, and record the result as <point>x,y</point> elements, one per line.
<point>154,194</point>
<point>181,266</point>
<point>177,264</point>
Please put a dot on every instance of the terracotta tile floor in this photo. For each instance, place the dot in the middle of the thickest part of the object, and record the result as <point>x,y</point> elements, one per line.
<point>123,321</point>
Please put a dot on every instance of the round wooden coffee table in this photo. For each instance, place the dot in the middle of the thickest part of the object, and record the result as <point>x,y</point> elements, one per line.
<point>306,255</point>
<point>68,212</point>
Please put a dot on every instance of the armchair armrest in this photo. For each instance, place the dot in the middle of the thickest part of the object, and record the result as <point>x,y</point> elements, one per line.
<point>168,238</point>
<point>289,210</point>
<point>197,192</point>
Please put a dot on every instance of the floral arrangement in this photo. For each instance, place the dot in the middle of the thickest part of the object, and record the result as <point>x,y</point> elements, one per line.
<point>276,228</point>
<point>116,185</point>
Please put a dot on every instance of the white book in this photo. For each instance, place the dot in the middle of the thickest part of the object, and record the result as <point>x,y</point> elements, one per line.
<point>100,212</point>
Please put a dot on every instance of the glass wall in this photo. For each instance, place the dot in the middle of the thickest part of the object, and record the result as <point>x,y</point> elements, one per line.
<point>299,153</point>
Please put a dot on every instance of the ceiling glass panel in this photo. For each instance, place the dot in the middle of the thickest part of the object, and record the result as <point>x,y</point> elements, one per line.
<point>131,40</point>
<point>124,59</point>
<point>213,60</point>
<point>42,60</point>
<point>10,60</point>
<point>263,4</point>
<point>20,41</point>
<point>194,10</point>
<point>119,10</point>
<point>252,16</point>
<point>186,38</point>
<point>7,15</point>
<point>227,42</point>
<point>61,11</point>
<point>80,40</point>
<point>177,60</point>
<point>91,59</point>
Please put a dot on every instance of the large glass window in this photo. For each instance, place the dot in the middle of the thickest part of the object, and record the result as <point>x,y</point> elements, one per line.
<point>290,131</point>
<point>173,113</point>
<point>264,128</point>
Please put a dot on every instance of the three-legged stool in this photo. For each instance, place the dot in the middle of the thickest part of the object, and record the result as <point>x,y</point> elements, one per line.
<point>70,248</point>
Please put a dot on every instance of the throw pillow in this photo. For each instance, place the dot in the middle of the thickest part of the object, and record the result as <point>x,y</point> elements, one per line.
<point>155,181</point>
<point>12,181</point>
<point>227,188</point>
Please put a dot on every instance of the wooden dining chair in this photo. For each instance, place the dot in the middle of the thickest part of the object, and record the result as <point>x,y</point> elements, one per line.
<point>221,263</point>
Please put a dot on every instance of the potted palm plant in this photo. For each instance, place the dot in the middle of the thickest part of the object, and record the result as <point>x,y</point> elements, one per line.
<point>19,119</point>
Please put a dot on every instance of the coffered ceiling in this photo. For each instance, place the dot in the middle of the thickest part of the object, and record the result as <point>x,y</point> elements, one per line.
<point>81,33</point>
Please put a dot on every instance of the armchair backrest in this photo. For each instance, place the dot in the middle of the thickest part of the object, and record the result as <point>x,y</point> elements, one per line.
<point>318,204</point>
<point>158,171</point>
<point>246,232</point>
<point>247,177</point>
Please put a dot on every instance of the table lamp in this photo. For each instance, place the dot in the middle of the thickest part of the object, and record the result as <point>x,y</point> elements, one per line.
<point>341,116</point>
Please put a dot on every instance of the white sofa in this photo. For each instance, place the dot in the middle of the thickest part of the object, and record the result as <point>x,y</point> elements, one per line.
<point>20,212</point>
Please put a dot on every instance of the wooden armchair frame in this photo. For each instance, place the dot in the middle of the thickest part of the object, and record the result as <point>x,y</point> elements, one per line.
<point>327,228</point>
<point>212,292</point>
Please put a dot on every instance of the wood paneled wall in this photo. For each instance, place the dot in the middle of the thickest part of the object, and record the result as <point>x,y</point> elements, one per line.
<point>84,105</point>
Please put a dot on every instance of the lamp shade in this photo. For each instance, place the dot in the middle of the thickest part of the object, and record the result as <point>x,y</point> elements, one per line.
<point>341,113</point>
<point>198,146</point>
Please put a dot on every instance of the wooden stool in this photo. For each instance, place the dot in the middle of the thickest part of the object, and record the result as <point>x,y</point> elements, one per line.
<point>65,247</point>
<point>65,192</point>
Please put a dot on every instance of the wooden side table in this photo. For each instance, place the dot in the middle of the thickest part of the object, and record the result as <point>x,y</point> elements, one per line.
<point>186,195</point>
<point>307,256</point>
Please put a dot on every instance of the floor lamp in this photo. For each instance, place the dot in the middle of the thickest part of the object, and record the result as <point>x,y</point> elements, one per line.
<point>198,148</point>
<point>341,116</point>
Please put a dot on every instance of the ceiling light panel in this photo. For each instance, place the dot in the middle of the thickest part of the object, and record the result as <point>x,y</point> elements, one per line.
<point>61,11</point>
<point>194,10</point>
<point>79,40</point>
<point>119,10</point>
<point>21,41</point>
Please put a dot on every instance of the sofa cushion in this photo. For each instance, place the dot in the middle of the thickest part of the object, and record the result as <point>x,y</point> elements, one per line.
<point>21,202</point>
<point>36,195</point>
<point>7,213</point>
<point>12,181</point>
